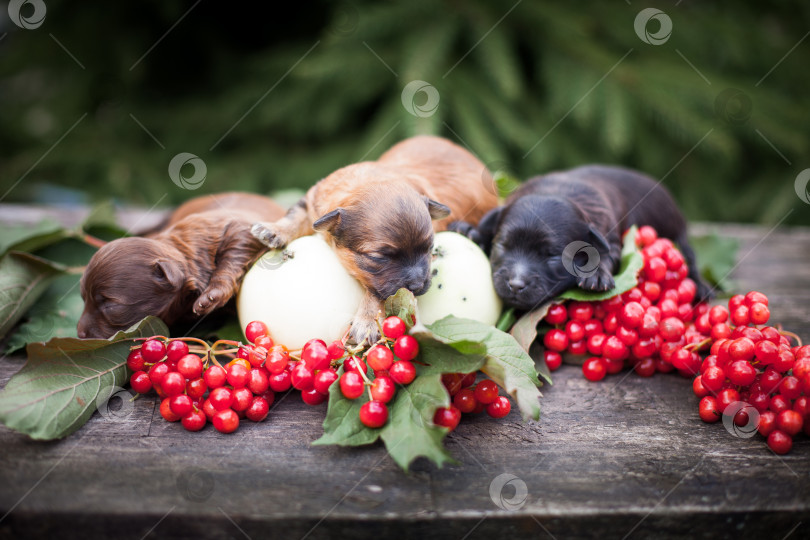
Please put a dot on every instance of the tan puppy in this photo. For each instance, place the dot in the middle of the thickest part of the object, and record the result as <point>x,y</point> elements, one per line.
<point>190,268</point>
<point>380,217</point>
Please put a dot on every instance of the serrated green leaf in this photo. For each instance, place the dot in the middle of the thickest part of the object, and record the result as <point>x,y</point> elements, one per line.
<point>506,362</point>
<point>627,278</point>
<point>440,356</point>
<point>525,332</point>
<point>31,237</point>
<point>55,392</point>
<point>410,431</point>
<point>23,278</point>
<point>55,314</point>
<point>403,305</point>
<point>342,424</point>
<point>716,256</point>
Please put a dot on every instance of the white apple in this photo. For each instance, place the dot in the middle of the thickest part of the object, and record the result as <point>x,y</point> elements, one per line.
<point>462,283</point>
<point>301,292</point>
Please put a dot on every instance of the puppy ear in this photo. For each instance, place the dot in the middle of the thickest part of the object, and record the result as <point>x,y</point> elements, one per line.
<point>168,274</point>
<point>485,232</point>
<point>597,239</point>
<point>437,210</point>
<point>328,222</point>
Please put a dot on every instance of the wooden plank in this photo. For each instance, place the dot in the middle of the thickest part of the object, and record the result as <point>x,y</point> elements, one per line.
<point>627,456</point>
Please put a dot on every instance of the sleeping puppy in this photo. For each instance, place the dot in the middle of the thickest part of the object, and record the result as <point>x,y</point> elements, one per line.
<point>563,230</point>
<point>179,274</point>
<point>380,217</point>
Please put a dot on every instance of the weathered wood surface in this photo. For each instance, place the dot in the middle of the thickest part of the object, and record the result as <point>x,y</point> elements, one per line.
<point>627,457</point>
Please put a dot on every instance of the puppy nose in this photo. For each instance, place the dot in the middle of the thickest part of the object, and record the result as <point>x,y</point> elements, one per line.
<point>516,284</point>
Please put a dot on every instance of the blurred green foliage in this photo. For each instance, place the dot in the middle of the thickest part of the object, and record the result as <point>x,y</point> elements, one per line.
<point>274,98</point>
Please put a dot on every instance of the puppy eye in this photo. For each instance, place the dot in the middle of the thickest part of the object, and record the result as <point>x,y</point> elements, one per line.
<point>376,257</point>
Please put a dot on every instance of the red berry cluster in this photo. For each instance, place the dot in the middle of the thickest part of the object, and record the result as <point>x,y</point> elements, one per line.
<point>652,327</point>
<point>469,397</point>
<point>391,361</point>
<point>193,394</point>
<point>756,366</point>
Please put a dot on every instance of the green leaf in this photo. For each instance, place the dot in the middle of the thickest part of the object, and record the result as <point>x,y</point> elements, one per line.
<point>525,332</point>
<point>410,431</point>
<point>716,256</point>
<point>31,238</point>
<point>627,278</point>
<point>446,356</point>
<point>56,391</point>
<point>342,424</point>
<point>23,278</point>
<point>403,305</point>
<point>55,314</point>
<point>506,362</point>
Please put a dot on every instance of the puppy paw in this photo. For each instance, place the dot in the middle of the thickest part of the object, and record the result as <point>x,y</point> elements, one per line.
<point>267,236</point>
<point>364,330</point>
<point>210,300</point>
<point>460,227</point>
<point>600,281</point>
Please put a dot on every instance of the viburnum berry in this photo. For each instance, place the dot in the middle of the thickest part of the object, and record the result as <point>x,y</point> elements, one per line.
<point>402,372</point>
<point>173,383</point>
<point>157,372</point>
<point>382,389</point>
<point>175,350</point>
<point>406,347</point>
<point>380,357</point>
<point>140,382</point>
<point>465,400</point>
<point>312,397</point>
<point>153,350</point>
<point>225,421</point>
<point>373,414</point>
<point>336,350</point>
<point>355,364</point>
<point>264,342</point>
<point>767,423</point>
<point>557,314</point>
<point>277,360</point>
<point>393,327</point>
<point>789,421</point>
<point>708,410</point>
<point>553,359</point>
<point>316,356</point>
<point>280,382</point>
<point>780,442</point>
<point>215,376</point>
<point>499,408</point>
<point>645,367</point>
<point>726,397</point>
<point>221,398</point>
<point>741,373</point>
<point>258,381</point>
<point>255,329</point>
<point>190,366</point>
<point>351,385</point>
<point>237,375</point>
<point>181,405</point>
<point>301,376</point>
<point>468,379</point>
<point>447,417</point>
<point>258,409</point>
<point>135,361</point>
<point>194,420</point>
<point>324,379</point>
<point>574,331</point>
<point>196,388</point>
<point>486,391</point>
<point>166,411</point>
<point>241,399</point>
<point>594,369</point>
<point>556,340</point>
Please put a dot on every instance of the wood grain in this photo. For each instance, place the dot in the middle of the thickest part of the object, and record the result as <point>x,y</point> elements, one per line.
<point>627,457</point>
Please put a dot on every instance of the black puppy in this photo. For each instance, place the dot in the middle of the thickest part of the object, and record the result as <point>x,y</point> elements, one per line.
<point>563,229</point>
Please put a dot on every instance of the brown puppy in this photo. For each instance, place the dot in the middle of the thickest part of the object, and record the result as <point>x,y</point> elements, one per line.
<point>179,274</point>
<point>380,216</point>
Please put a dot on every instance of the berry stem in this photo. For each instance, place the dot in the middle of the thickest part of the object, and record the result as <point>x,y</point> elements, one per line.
<point>791,335</point>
